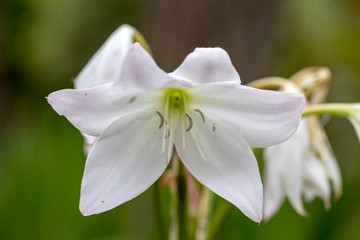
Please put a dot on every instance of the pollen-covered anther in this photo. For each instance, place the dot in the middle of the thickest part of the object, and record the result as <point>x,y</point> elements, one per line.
<point>201,114</point>
<point>190,122</point>
<point>161,119</point>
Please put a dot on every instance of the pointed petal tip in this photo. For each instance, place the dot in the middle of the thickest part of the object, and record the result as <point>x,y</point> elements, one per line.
<point>135,47</point>
<point>83,211</point>
<point>86,210</point>
<point>253,214</point>
<point>49,98</point>
<point>303,213</point>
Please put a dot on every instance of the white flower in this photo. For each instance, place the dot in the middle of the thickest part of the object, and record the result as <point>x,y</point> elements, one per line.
<point>200,109</point>
<point>303,166</point>
<point>104,66</point>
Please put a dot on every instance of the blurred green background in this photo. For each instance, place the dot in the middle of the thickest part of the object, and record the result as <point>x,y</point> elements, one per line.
<point>45,43</point>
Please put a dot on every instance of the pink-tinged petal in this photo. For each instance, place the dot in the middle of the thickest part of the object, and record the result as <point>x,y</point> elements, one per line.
<point>262,117</point>
<point>207,65</point>
<point>125,161</point>
<point>90,110</point>
<point>104,66</point>
<point>139,73</point>
<point>224,163</point>
<point>289,158</point>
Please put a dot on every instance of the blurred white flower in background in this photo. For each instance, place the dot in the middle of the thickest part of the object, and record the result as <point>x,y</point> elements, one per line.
<point>303,166</point>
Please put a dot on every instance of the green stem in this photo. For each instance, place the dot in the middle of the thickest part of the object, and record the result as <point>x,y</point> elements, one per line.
<point>340,109</point>
<point>158,212</point>
<point>219,219</point>
<point>182,203</point>
<point>203,214</point>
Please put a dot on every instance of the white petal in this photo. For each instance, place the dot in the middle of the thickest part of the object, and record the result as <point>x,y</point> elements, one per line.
<point>316,182</point>
<point>290,158</point>
<point>321,143</point>
<point>139,73</point>
<point>106,62</point>
<point>90,110</point>
<point>207,65</point>
<point>274,194</point>
<point>88,143</point>
<point>124,162</point>
<point>230,169</point>
<point>263,117</point>
<point>355,121</point>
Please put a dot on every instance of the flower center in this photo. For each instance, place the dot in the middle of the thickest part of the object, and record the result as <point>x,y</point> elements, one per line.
<point>178,117</point>
<point>176,99</point>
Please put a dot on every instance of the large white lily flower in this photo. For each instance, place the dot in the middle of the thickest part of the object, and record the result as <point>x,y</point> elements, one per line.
<point>104,66</point>
<point>200,109</point>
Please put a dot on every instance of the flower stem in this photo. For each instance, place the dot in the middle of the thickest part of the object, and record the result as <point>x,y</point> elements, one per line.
<point>182,203</point>
<point>219,219</point>
<point>340,109</point>
<point>203,214</point>
<point>158,212</point>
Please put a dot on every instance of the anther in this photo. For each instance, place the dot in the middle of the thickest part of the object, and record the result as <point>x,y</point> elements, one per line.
<point>201,114</point>
<point>132,99</point>
<point>190,122</point>
<point>161,119</point>
<point>214,127</point>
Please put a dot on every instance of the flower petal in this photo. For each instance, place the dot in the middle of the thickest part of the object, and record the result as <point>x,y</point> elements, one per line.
<point>289,159</point>
<point>263,117</point>
<point>89,141</point>
<point>321,143</point>
<point>125,161</point>
<point>89,109</point>
<point>106,62</point>
<point>274,194</point>
<point>139,73</point>
<point>355,121</point>
<point>207,65</point>
<point>230,169</point>
<point>315,180</point>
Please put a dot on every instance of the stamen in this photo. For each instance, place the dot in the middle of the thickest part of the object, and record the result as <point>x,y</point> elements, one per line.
<point>214,127</point>
<point>190,122</point>
<point>201,114</point>
<point>161,119</point>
